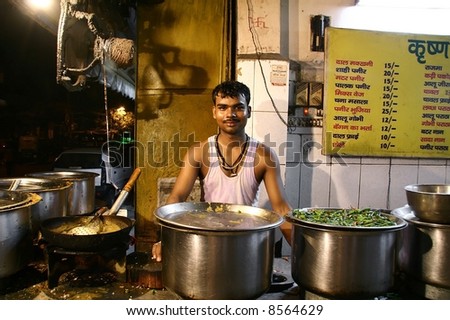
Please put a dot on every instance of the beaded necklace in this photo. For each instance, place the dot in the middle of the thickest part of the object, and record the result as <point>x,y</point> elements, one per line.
<point>234,167</point>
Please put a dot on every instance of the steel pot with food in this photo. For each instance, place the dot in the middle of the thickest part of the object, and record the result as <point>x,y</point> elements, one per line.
<point>54,194</point>
<point>16,238</point>
<point>344,253</point>
<point>424,252</point>
<point>217,251</point>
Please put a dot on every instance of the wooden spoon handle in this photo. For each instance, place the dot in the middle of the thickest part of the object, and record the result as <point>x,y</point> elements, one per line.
<point>132,180</point>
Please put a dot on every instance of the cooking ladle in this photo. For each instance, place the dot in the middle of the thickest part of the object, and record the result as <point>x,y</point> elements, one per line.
<point>88,226</point>
<point>96,223</point>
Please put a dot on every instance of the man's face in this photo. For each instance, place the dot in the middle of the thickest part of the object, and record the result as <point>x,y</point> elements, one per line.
<point>231,113</point>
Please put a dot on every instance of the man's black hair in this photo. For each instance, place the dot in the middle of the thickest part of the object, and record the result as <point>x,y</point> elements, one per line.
<point>231,89</point>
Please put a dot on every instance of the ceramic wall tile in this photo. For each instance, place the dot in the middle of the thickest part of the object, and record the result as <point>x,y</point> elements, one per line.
<point>269,129</point>
<point>404,161</point>
<point>246,74</point>
<point>340,160</point>
<point>432,162</point>
<point>314,186</point>
<point>374,187</point>
<point>431,174</point>
<point>312,150</point>
<point>401,176</point>
<point>293,148</point>
<point>381,161</point>
<point>344,189</point>
<point>293,183</point>
<point>271,90</point>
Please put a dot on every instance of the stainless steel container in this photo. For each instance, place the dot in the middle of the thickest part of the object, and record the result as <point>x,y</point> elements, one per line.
<point>81,198</point>
<point>54,194</point>
<point>429,202</point>
<point>219,252</point>
<point>16,239</point>
<point>424,253</point>
<point>344,262</point>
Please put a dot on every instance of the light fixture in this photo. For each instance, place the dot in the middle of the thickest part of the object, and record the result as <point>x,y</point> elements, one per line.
<point>318,25</point>
<point>422,4</point>
<point>40,4</point>
<point>121,111</point>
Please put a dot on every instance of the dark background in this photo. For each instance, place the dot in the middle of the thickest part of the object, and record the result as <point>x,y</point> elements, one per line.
<point>33,104</point>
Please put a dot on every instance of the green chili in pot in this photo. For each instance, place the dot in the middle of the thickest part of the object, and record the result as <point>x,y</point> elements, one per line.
<point>345,217</point>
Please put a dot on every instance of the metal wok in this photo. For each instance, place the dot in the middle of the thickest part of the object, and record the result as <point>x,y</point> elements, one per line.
<point>53,233</point>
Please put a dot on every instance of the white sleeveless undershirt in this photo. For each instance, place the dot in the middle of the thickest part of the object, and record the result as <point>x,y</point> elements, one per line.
<point>240,189</point>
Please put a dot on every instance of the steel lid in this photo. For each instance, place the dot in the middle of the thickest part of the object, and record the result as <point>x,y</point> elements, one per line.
<point>217,216</point>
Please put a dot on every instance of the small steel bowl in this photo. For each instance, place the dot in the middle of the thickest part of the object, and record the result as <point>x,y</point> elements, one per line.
<point>429,202</point>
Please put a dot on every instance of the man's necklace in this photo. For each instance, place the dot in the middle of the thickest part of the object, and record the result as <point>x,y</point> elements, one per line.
<point>234,167</point>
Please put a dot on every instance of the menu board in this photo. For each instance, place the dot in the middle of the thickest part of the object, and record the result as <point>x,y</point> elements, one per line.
<point>386,94</point>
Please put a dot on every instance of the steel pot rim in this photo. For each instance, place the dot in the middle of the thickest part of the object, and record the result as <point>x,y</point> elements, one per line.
<point>39,184</point>
<point>65,175</point>
<point>407,213</point>
<point>399,222</point>
<point>26,199</point>
<point>162,212</point>
<point>415,188</point>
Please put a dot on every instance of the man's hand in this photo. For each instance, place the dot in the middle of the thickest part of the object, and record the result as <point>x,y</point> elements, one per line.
<point>156,251</point>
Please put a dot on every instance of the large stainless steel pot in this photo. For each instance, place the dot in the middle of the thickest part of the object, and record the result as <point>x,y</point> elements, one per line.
<point>213,254</point>
<point>54,196</point>
<point>344,262</point>
<point>81,198</point>
<point>16,240</point>
<point>424,253</point>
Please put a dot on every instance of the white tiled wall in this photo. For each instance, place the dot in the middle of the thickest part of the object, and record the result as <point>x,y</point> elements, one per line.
<point>269,104</point>
<point>314,180</point>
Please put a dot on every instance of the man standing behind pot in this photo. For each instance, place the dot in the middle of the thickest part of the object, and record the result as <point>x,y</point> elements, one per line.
<point>231,165</point>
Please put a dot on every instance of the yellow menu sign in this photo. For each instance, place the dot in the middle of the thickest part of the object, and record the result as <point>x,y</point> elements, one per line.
<point>386,94</point>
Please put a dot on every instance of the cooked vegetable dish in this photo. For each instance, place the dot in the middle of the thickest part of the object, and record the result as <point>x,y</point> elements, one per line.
<point>218,219</point>
<point>345,217</point>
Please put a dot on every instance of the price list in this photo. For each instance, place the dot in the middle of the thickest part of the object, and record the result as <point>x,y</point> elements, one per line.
<point>386,94</point>
<point>389,109</point>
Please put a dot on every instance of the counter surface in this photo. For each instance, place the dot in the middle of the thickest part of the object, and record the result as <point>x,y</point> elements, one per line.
<point>31,284</point>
